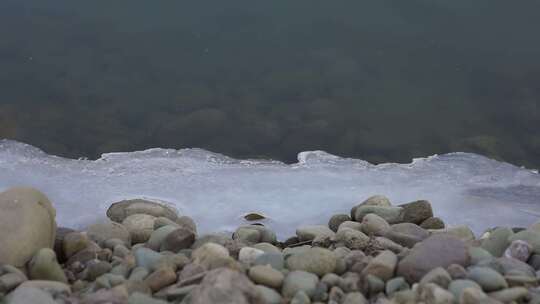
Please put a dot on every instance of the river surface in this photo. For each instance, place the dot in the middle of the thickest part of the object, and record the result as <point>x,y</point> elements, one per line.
<point>381,80</point>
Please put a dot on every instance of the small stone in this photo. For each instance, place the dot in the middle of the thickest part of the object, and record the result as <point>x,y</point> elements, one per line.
<point>510,295</point>
<point>10,281</point>
<point>457,286</point>
<point>437,276</point>
<point>350,282</point>
<point>319,261</point>
<point>254,216</point>
<point>372,224</point>
<point>300,298</point>
<point>181,238</point>
<point>396,284</point>
<point>138,273</point>
<point>337,220</point>
<point>267,248</point>
<point>147,258</point>
<point>375,200</point>
<point>160,278</point>
<point>487,278</point>
<point>392,215</point>
<point>433,223</point>
<point>331,279</point>
<point>352,239</point>
<point>407,234</point>
<point>463,233</point>
<point>336,295</point>
<point>434,294</point>
<point>373,285</point>
<point>457,272</point>
<point>52,287</point>
<point>96,269</point>
<point>387,244</point>
<point>26,295</point>
<point>382,266</point>
<point>519,250</point>
<point>140,227</point>
<point>474,296</point>
<point>274,260</point>
<point>248,255</point>
<point>267,276</point>
<point>497,241</point>
<point>74,242</point>
<point>158,236</point>
<point>247,235</point>
<point>140,298</point>
<point>507,266</point>
<point>163,221</point>
<point>532,237</point>
<point>224,286</point>
<point>352,225</point>
<point>308,233</point>
<point>44,266</point>
<point>417,212</point>
<point>354,298</point>
<point>209,253</point>
<point>269,295</point>
<point>101,232</point>
<point>119,211</point>
<point>299,280</point>
<point>478,254</point>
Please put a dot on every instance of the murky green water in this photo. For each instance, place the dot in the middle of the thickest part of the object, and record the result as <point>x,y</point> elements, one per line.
<point>381,80</point>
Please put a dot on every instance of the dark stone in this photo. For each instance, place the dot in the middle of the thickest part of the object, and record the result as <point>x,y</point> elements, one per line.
<point>417,212</point>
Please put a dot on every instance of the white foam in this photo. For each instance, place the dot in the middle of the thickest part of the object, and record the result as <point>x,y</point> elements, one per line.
<point>215,190</point>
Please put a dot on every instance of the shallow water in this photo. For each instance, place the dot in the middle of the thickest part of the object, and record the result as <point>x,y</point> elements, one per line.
<point>377,80</point>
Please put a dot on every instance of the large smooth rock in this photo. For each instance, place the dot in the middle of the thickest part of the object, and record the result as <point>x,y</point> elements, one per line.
<point>119,211</point>
<point>27,224</point>
<point>436,251</point>
<point>225,286</point>
<point>319,261</point>
<point>417,212</point>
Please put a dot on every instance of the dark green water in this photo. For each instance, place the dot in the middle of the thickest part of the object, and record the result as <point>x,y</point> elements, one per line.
<point>381,80</point>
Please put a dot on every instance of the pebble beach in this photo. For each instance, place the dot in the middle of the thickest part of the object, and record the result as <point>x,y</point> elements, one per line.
<point>147,252</point>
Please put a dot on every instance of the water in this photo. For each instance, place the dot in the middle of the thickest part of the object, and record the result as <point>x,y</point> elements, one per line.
<point>381,80</point>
